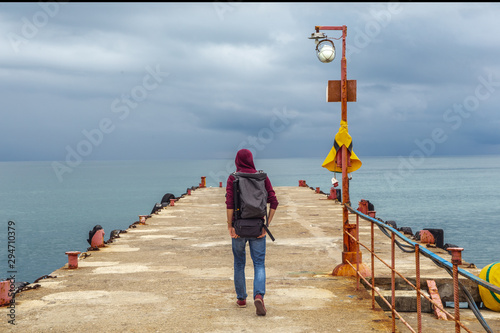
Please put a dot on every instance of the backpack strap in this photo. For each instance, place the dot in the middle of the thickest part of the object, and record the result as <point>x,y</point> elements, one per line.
<point>265,225</point>
<point>236,196</point>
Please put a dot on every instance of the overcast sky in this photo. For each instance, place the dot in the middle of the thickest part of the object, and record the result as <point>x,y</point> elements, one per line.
<point>98,81</point>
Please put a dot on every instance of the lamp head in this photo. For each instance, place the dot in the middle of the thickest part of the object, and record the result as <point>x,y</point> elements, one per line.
<point>325,49</point>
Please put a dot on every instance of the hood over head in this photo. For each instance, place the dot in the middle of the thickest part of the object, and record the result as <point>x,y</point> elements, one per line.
<point>244,161</point>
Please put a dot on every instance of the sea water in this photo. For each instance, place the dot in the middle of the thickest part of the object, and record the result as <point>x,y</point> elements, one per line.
<point>42,216</point>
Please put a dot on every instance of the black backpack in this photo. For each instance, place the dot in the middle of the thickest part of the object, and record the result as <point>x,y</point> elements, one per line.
<point>250,204</point>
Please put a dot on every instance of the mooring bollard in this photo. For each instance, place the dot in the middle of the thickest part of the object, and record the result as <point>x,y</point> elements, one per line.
<point>427,237</point>
<point>333,194</point>
<point>5,298</point>
<point>317,190</point>
<point>172,202</point>
<point>203,181</point>
<point>220,184</point>
<point>363,206</point>
<point>98,239</point>
<point>73,259</point>
<point>189,191</point>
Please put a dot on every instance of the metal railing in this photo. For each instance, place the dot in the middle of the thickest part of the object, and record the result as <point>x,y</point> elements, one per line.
<point>407,245</point>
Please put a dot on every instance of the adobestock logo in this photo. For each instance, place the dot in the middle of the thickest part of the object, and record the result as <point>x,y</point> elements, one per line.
<point>30,27</point>
<point>223,7</point>
<point>453,117</point>
<point>373,28</point>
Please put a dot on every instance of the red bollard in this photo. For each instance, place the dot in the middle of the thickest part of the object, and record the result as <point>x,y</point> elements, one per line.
<point>98,239</point>
<point>73,259</point>
<point>172,202</point>
<point>203,181</point>
<point>220,184</point>
<point>317,190</point>
<point>5,298</point>
<point>427,237</point>
<point>363,207</point>
<point>335,194</point>
<point>456,255</point>
<point>189,191</point>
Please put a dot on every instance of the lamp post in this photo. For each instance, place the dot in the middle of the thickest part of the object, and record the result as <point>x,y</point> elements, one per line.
<point>326,54</point>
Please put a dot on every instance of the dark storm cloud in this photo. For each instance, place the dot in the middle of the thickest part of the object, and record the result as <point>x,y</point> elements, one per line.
<point>116,81</point>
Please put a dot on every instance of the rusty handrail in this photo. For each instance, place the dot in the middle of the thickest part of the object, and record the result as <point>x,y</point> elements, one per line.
<point>428,253</point>
<point>393,298</point>
<point>453,269</point>
<point>382,297</point>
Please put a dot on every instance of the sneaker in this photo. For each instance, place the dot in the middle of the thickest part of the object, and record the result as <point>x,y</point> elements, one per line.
<point>242,303</point>
<point>259,306</point>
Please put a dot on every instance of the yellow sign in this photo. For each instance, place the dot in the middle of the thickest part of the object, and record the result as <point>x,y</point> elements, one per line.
<point>342,138</point>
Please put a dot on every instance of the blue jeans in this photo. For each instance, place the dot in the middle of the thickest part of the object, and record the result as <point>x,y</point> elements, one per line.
<point>258,254</point>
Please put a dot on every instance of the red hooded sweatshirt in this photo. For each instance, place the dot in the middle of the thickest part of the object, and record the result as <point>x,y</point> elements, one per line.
<point>244,163</point>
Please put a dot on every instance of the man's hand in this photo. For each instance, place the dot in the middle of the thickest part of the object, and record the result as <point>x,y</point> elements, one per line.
<point>232,232</point>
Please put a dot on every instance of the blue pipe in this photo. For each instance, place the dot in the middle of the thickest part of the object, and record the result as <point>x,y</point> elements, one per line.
<point>428,253</point>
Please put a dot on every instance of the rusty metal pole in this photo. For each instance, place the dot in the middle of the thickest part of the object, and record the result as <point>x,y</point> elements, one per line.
<point>372,248</point>
<point>417,284</point>
<point>345,178</point>
<point>393,281</point>
<point>351,247</point>
<point>456,259</point>
<point>343,78</point>
<point>358,254</point>
<point>351,251</point>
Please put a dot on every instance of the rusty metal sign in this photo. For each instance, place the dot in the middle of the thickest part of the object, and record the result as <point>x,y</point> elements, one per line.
<point>333,91</point>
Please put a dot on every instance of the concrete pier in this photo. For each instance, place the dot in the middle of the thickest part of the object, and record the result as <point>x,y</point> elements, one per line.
<point>175,274</point>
